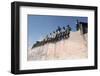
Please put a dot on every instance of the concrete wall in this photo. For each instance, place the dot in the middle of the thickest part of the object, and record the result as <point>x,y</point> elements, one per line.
<point>75,47</point>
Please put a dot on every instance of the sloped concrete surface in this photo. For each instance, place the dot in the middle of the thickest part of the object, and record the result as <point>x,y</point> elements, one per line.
<point>75,47</point>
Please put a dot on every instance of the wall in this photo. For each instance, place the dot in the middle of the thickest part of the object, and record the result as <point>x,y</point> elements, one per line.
<point>5,37</point>
<point>75,47</point>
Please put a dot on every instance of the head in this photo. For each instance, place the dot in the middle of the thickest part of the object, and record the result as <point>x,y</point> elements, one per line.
<point>68,26</point>
<point>64,28</point>
<point>50,34</point>
<point>53,31</point>
<point>59,29</point>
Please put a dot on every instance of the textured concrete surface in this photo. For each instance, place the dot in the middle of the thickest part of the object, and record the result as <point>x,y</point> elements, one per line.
<point>75,47</point>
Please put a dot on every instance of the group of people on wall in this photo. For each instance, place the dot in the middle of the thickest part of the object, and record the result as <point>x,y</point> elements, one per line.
<point>62,33</point>
<point>57,35</point>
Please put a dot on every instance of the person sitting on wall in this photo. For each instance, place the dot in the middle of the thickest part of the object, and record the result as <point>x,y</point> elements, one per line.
<point>54,36</point>
<point>58,36</point>
<point>43,41</point>
<point>63,33</point>
<point>47,38</point>
<point>37,43</point>
<point>66,36</point>
<point>50,37</point>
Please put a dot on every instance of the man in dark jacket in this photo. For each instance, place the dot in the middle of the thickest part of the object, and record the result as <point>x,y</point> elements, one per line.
<point>68,29</point>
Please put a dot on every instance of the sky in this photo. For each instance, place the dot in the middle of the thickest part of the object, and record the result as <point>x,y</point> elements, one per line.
<point>41,25</point>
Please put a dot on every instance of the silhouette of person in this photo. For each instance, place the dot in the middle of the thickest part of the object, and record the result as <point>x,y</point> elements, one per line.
<point>63,32</point>
<point>59,28</point>
<point>47,38</point>
<point>68,30</point>
<point>58,33</point>
<point>50,37</point>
